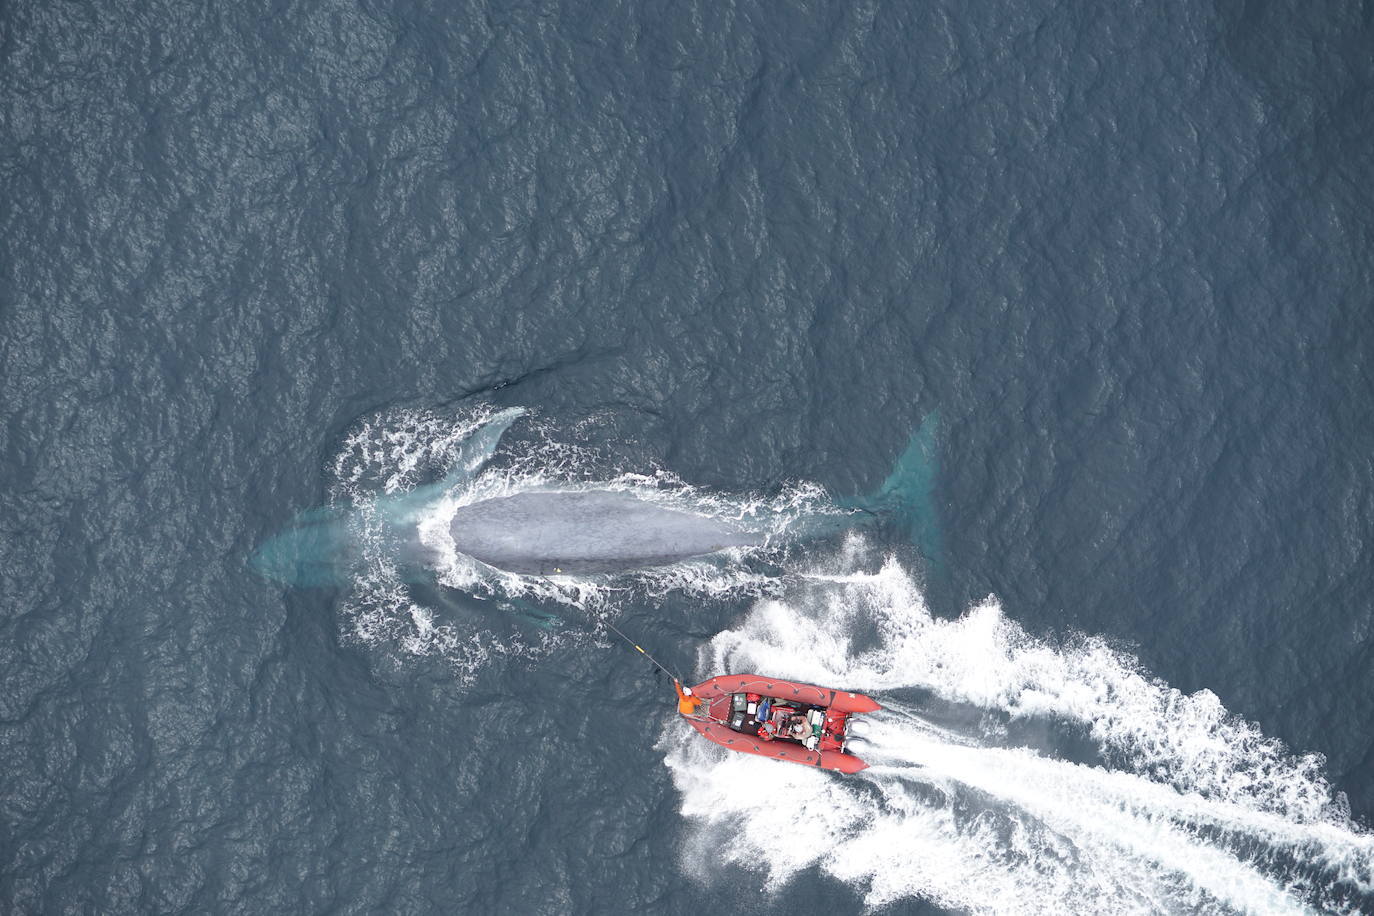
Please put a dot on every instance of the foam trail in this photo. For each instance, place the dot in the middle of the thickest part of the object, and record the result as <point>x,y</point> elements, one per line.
<point>1183,806</point>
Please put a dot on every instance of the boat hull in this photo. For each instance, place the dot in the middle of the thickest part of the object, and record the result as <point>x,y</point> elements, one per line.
<point>840,704</point>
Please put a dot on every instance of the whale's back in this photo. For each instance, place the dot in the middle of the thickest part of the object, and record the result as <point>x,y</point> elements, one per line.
<point>592,531</point>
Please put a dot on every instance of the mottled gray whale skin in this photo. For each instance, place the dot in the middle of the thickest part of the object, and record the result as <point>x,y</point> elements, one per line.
<point>586,531</point>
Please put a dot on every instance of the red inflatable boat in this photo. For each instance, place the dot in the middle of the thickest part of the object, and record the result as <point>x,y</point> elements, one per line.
<point>774,718</point>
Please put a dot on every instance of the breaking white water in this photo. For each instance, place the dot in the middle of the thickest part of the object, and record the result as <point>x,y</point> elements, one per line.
<point>1010,774</point>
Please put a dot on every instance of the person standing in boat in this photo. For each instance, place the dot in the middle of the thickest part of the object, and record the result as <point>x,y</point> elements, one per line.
<point>687,704</point>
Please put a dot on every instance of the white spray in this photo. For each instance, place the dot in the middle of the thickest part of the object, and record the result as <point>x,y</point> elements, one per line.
<point>1188,808</point>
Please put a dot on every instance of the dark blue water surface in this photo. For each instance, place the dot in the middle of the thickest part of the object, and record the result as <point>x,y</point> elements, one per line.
<point>1121,255</point>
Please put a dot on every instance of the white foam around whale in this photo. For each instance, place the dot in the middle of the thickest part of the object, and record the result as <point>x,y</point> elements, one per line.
<point>389,459</point>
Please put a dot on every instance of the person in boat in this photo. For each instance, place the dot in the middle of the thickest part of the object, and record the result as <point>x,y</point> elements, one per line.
<point>687,704</point>
<point>794,726</point>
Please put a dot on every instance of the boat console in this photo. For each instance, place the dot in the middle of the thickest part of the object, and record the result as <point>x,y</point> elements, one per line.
<point>750,712</point>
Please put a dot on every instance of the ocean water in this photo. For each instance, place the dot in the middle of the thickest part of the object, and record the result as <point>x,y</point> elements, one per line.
<point>271,262</point>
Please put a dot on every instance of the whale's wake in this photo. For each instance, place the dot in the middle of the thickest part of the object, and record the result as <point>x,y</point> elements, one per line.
<point>1013,775</point>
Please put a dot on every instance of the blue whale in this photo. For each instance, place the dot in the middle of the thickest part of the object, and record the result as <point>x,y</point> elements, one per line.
<point>584,529</point>
<point>587,532</point>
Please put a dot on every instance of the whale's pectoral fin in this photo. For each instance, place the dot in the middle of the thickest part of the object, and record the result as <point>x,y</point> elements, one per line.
<point>477,449</point>
<point>542,619</point>
<point>470,456</point>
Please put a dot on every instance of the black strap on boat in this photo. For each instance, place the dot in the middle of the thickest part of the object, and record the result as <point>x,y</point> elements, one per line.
<point>615,629</point>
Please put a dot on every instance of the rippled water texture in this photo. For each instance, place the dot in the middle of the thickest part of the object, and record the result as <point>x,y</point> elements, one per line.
<point>1108,268</point>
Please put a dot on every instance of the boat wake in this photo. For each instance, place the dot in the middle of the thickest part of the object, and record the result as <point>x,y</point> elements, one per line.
<point>1010,774</point>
